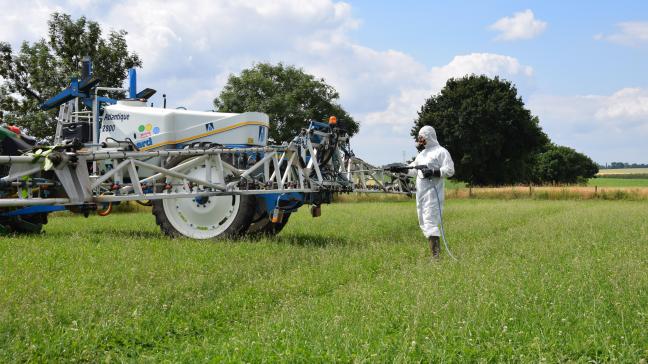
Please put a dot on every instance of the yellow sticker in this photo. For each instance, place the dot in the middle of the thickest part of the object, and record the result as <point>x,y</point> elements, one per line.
<point>250,141</point>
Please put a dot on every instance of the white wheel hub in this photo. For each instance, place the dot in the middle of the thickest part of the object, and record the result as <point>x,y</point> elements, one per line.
<point>200,217</point>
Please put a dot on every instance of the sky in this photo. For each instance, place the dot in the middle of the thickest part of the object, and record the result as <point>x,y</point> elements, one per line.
<point>578,65</point>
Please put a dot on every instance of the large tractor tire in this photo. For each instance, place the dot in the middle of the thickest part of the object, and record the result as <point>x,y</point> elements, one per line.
<point>263,226</point>
<point>25,224</point>
<point>12,144</point>
<point>215,217</point>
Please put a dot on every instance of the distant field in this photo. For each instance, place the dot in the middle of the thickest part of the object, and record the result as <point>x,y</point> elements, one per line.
<point>624,171</point>
<point>537,281</point>
<point>618,182</point>
<point>600,182</point>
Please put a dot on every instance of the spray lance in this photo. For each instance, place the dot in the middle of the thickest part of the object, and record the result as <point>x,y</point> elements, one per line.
<point>428,173</point>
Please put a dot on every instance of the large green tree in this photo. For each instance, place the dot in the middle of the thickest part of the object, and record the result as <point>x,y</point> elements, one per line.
<point>287,94</point>
<point>486,128</point>
<point>560,164</point>
<point>40,70</point>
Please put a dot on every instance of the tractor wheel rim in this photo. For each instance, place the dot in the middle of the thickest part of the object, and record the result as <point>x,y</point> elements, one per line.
<point>200,218</point>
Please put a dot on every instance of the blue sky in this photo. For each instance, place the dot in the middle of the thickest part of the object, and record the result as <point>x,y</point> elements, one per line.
<point>434,32</point>
<point>579,65</point>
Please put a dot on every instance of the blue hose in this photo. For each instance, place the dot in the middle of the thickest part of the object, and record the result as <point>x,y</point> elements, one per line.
<point>445,242</point>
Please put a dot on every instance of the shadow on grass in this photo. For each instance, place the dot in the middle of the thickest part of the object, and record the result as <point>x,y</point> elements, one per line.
<point>310,240</point>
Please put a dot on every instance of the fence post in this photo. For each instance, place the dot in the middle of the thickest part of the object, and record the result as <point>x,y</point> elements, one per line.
<point>530,190</point>
<point>595,190</point>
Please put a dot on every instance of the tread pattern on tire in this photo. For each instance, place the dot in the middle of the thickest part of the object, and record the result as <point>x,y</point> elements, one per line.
<point>265,227</point>
<point>27,224</point>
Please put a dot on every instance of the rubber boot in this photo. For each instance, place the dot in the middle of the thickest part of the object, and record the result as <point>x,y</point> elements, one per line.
<point>435,246</point>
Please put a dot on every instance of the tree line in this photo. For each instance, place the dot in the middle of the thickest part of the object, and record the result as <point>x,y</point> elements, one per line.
<point>621,165</point>
<point>493,138</point>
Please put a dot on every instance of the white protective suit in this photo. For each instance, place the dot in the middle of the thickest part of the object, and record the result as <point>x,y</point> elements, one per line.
<point>434,156</point>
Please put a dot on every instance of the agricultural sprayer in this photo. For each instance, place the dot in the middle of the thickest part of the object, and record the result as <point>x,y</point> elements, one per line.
<point>206,174</point>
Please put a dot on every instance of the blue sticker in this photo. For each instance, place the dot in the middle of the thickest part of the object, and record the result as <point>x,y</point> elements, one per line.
<point>156,130</point>
<point>144,143</point>
<point>261,134</point>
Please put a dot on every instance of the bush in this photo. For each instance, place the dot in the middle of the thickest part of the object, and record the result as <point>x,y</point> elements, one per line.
<point>563,165</point>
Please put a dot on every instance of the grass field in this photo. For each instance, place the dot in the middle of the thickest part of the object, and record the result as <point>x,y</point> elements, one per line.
<point>618,182</point>
<point>536,281</point>
<point>600,182</point>
<point>624,171</point>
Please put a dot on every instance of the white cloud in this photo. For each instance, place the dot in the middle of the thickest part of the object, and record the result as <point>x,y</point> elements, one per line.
<point>630,33</point>
<point>402,108</point>
<point>522,25</point>
<point>215,30</point>
<point>625,104</point>
<point>189,51</point>
<point>606,127</point>
<point>24,20</point>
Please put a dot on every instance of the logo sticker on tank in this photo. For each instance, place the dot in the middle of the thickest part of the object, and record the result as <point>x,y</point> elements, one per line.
<point>146,130</point>
<point>119,117</point>
<point>209,126</point>
<point>144,143</point>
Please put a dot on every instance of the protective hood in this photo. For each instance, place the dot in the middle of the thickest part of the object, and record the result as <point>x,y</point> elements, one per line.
<point>429,134</point>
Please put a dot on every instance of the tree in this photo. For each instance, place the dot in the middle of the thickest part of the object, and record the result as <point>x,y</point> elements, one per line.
<point>42,69</point>
<point>484,125</point>
<point>563,165</point>
<point>287,94</point>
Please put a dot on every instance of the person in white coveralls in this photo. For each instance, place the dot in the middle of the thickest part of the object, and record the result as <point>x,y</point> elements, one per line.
<point>430,166</point>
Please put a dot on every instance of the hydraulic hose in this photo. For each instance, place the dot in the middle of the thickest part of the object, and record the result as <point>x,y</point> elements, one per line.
<point>445,242</point>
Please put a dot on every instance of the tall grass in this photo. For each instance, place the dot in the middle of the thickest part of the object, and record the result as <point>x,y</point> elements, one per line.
<point>550,193</point>
<point>537,281</point>
<point>516,192</point>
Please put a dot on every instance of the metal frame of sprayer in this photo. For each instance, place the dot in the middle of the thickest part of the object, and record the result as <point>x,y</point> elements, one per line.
<point>308,170</point>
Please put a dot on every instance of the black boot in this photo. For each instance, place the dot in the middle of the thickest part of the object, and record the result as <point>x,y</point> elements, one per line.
<point>435,246</point>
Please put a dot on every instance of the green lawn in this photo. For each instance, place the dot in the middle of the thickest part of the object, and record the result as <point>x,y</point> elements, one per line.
<point>536,281</point>
<point>601,182</point>
<point>618,182</point>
